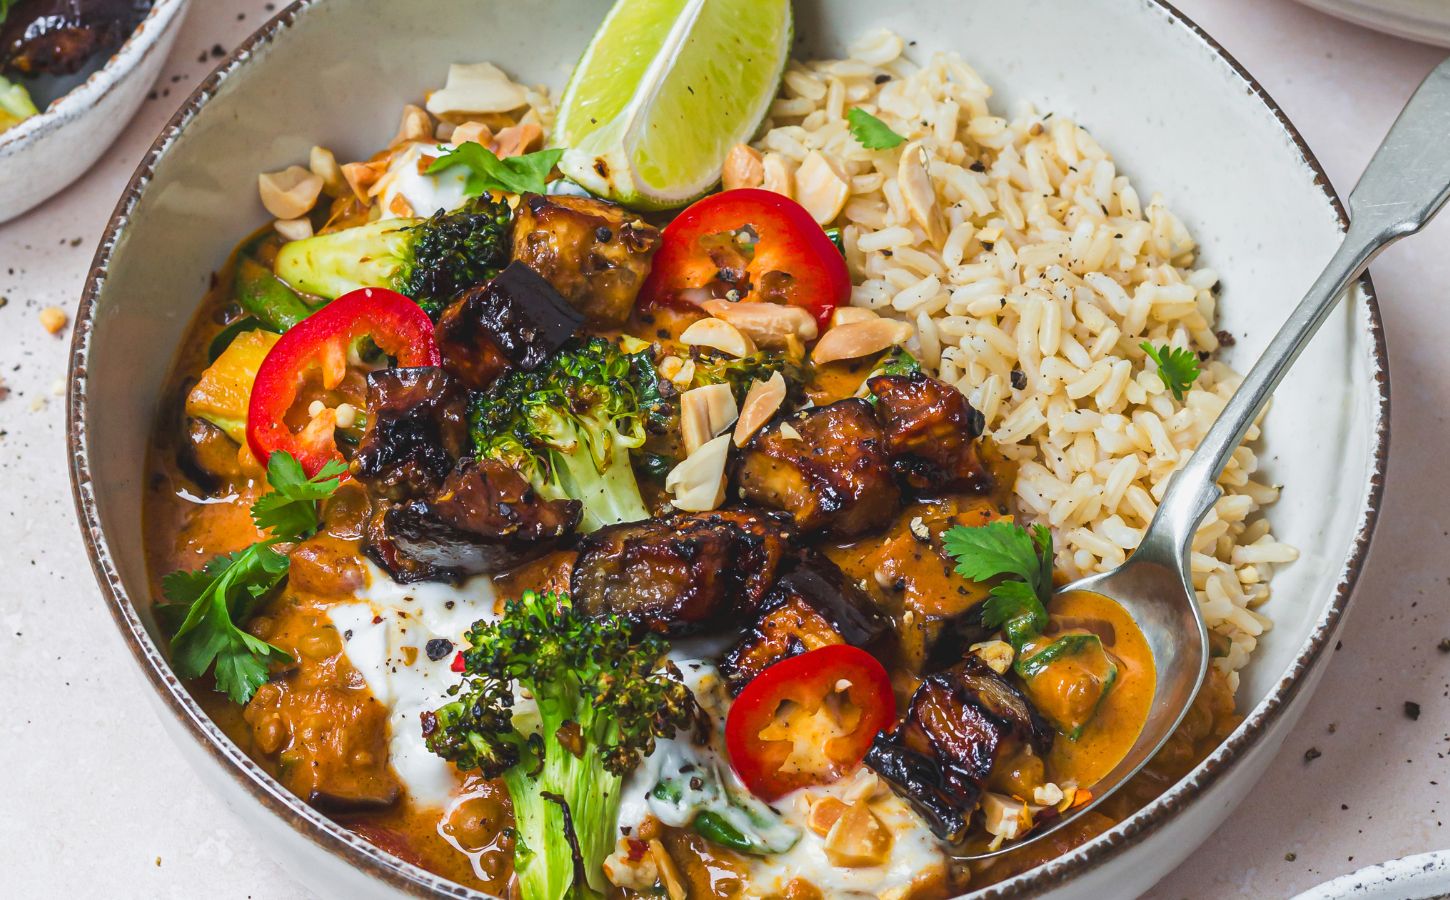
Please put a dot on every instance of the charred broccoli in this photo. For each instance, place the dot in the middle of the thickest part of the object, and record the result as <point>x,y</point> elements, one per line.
<point>602,698</point>
<point>741,372</point>
<point>569,426</point>
<point>429,260</point>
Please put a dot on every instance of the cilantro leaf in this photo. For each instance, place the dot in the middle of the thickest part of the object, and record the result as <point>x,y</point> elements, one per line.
<point>870,132</point>
<point>486,172</point>
<point>1001,549</point>
<point>1013,607</point>
<point>204,607</point>
<point>1177,367</point>
<point>227,590</point>
<point>290,509</point>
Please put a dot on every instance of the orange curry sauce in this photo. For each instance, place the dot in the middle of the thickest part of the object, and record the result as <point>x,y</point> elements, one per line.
<point>320,727</point>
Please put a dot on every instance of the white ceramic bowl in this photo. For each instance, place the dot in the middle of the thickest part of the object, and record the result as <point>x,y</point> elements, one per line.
<point>1180,116</point>
<point>43,154</point>
<point>1426,21</point>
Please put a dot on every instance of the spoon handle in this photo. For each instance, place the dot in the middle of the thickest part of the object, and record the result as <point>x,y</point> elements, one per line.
<point>1404,185</point>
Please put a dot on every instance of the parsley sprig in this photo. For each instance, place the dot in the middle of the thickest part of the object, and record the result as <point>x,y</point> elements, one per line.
<point>205,606</point>
<point>1023,559</point>
<point>870,132</point>
<point>1177,367</point>
<point>528,173</point>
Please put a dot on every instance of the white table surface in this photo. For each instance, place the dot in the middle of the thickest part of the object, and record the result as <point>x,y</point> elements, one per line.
<point>97,803</point>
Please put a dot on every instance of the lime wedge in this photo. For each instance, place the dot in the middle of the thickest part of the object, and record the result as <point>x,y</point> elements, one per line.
<point>663,92</point>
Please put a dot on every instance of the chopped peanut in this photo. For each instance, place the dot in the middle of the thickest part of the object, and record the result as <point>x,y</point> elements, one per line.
<point>294,229</point>
<point>53,319</point>
<point>416,125</point>
<point>767,324</point>
<point>290,193</point>
<point>744,168</point>
<point>719,335</point>
<point>324,165</point>
<point>762,402</point>
<point>821,187</point>
<point>517,139</point>
<point>858,339</point>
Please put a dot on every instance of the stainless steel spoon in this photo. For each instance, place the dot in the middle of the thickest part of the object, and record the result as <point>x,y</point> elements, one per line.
<point>1405,184</point>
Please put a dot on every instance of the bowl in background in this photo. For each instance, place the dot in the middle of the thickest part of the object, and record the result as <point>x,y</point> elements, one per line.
<point>46,152</point>
<point>1177,113</point>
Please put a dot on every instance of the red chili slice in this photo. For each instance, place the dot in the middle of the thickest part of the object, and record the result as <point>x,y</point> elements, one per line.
<point>321,341</point>
<point>807,681</point>
<point>708,250</point>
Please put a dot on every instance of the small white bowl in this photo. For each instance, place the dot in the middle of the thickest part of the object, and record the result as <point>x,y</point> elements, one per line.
<point>45,153</point>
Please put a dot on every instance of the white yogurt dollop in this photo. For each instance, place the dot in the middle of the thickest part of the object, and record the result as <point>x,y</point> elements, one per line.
<point>389,624</point>
<point>425,194</point>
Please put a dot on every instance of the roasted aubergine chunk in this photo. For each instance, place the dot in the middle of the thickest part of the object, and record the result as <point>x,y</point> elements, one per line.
<point>57,37</point>
<point>812,605</point>
<point>931,434</point>
<point>960,723</point>
<point>683,573</point>
<point>595,253</point>
<point>826,466</point>
<point>484,519</point>
<point>513,321</point>
<point>417,427</point>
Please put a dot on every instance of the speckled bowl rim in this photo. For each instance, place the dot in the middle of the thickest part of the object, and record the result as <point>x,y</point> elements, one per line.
<point>141,43</point>
<point>314,826</point>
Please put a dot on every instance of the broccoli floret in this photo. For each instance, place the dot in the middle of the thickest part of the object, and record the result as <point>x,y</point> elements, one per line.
<point>602,696</point>
<point>429,260</point>
<point>569,426</point>
<point>741,372</point>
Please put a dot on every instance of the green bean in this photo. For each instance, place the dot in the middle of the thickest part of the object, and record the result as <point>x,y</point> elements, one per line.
<point>264,296</point>
<point>713,828</point>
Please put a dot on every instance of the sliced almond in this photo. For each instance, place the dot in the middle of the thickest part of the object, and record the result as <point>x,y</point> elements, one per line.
<point>517,139</point>
<point>290,193</point>
<point>767,324</point>
<point>762,402</point>
<point>779,174</point>
<point>697,484</point>
<point>821,187</point>
<point>857,339</point>
<point>416,125</point>
<point>477,88</point>
<point>719,335</point>
<point>744,168</point>
<point>787,431</point>
<point>919,193</point>
<point>324,165</point>
<point>705,412</point>
<point>845,315</point>
<point>294,229</point>
<point>858,838</point>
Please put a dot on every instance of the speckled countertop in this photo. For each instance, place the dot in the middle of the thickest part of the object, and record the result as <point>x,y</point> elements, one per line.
<point>98,803</point>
